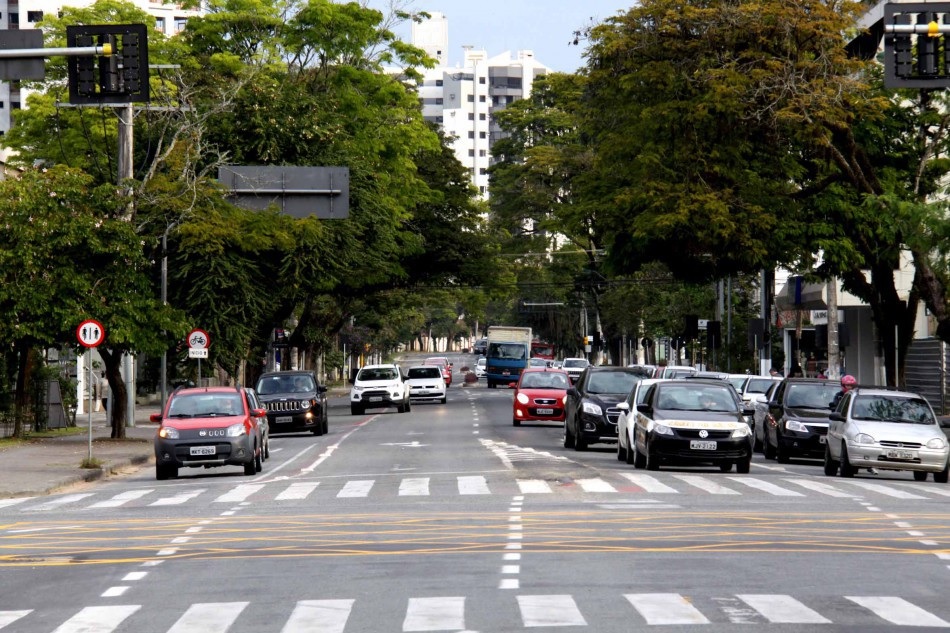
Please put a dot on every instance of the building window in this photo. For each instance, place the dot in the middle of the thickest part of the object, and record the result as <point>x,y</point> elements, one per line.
<point>471,153</point>
<point>481,80</point>
<point>471,116</point>
<point>483,171</point>
<point>160,24</point>
<point>180,24</point>
<point>482,153</point>
<point>481,98</point>
<point>439,101</point>
<point>14,20</point>
<point>439,119</point>
<point>494,99</point>
<point>470,98</point>
<point>34,16</point>
<point>482,135</point>
<point>482,188</point>
<point>14,105</point>
<point>511,99</point>
<point>438,82</point>
<point>471,134</point>
<point>481,117</point>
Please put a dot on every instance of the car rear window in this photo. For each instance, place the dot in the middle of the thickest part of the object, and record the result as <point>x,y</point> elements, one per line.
<point>892,409</point>
<point>612,382</point>
<point>811,395</point>
<point>544,380</point>
<point>425,372</point>
<point>376,374</point>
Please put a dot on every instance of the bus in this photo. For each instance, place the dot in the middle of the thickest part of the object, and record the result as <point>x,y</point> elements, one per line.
<point>540,349</point>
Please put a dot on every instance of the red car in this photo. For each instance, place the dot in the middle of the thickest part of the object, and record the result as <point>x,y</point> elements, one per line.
<point>540,395</point>
<point>446,366</point>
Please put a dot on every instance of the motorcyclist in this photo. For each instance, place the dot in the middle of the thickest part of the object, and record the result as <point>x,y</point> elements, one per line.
<point>848,383</point>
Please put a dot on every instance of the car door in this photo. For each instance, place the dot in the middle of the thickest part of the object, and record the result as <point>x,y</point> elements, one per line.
<point>575,396</point>
<point>838,428</point>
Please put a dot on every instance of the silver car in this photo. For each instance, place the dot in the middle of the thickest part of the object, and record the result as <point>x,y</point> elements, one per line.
<point>886,430</point>
<point>626,423</point>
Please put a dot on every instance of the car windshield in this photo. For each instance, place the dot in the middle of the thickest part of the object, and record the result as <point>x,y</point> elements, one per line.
<point>205,405</point>
<point>699,398</point>
<point>738,381</point>
<point>759,385</point>
<point>506,351</point>
<point>382,373</point>
<point>612,381</point>
<point>818,395</point>
<point>892,409</point>
<point>424,372</point>
<point>576,362</point>
<point>544,380</point>
<point>538,362</point>
<point>481,362</point>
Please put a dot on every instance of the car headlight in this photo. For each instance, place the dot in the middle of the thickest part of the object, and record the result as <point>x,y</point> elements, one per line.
<point>863,438</point>
<point>564,400</point>
<point>662,429</point>
<point>795,425</point>
<point>305,404</point>
<point>169,433</point>
<point>355,388</point>
<point>742,431</point>
<point>593,409</point>
<point>937,442</point>
<point>236,430</point>
<point>523,399</point>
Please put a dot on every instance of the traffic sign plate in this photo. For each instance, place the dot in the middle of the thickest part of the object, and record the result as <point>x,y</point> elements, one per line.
<point>90,333</point>
<point>198,352</point>
<point>198,339</point>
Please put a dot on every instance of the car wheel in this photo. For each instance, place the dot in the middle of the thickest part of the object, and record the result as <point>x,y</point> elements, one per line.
<point>920,475</point>
<point>319,428</point>
<point>639,460</point>
<point>326,424</point>
<point>943,475</point>
<point>267,449</point>
<point>781,452</point>
<point>408,406</point>
<point>631,452</point>
<point>758,446</point>
<point>442,400</point>
<point>846,469</point>
<point>744,465</point>
<point>163,472</point>
<point>355,410</point>
<point>580,444</point>
<point>831,465</point>
<point>651,461</point>
<point>769,451</point>
<point>515,422</point>
<point>250,468</point>
<point>568,437</point>
<point>725,467</point>
<point>259,461</point>
<point>621,451</point>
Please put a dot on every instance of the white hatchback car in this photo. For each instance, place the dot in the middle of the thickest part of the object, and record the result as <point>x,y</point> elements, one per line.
<point>626,423</point>
<point>378,386</point>
<point>426,383</point>
<point>886,430</point>
<point>480,367</point>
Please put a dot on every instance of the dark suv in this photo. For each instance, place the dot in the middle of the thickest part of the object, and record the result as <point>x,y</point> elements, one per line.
<point>294,400</point>
<point>797,421</point>
<point>591,413</point>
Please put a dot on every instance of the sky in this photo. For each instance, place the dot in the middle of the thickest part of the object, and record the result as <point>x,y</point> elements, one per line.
<point>543,26</point>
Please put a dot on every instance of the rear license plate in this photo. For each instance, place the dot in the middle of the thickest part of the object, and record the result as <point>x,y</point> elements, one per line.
<point>822,439</point>
<point>702,446</point>
<point>901,455</point>
<point>202,450</point>
<point>545,411</point>
<point>376,399</point>
<point>506,373</point>
<point>283,419</point>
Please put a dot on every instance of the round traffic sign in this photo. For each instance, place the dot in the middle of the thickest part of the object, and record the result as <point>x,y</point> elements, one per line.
<point>90,333</point>
<point>198,339</point>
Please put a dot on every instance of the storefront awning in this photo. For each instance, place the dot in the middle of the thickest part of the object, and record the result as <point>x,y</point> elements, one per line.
<point>798,294</point>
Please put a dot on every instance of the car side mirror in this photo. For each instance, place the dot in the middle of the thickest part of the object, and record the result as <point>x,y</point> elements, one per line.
<point>760,397</point>
<point>321,388</point>
<point>748,411</point>
<point>258,413</point>
<point>155,417</point>
<point>572,392</point>
<point>623,406</point>
<point>645,408</point>
<point>836,417</point>
<point>773,404</point>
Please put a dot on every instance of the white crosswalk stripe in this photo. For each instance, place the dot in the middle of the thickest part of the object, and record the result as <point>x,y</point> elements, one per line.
<point>178,499</point>
<point>889,491</point>
<point>821,488</point>
<point>595,485</point>
<point>534,486</point>
<point>473,485</point>
<point>766,486</point>
<point>61,501</point>
<point>239,493</point>
<point>122,498</point>
<point>297,491</point>
<point>706,484</point>
<point>5,503</point>
<point>649,484</point>
<point>448,613</point>
<point>414,487</point>
<point>356,488</point>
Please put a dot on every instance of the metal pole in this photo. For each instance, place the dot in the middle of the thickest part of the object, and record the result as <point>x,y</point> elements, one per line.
<point>89,380</point>
<point>124,173</point>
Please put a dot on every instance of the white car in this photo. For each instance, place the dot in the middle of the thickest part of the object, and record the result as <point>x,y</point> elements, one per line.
<point>426,383</point>
<point>626,423</point>
<point>480,367</point>
<point>379,386</point>
<point>886,430</point>
<point>574,367</point>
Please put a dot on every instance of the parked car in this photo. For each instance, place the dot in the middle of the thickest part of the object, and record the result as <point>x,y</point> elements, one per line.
<point>646,370</point>
<point>539,362</point>
<point>591,411</point>
<point>673,371</point>
<point>692,422</point>
<point>797,422</point>
<point>574,367</point>
<point>203,427</point>
<point>262,424</point>
<point>886,430</point>
<point>480,365</point>
<point>626,421</point>
<point>446,366</point>
<point>379,386</point>
<point>295,402</point>
<point>426,383</point>
<point>481,346</point>
<point>754,386</point>
<point>540,395</point>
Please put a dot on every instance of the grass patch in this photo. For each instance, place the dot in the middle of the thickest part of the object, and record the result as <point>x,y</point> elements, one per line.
<point>91,463</point>
<point>7,442</point>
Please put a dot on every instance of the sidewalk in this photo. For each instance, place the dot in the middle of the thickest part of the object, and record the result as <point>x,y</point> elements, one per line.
<point>41,466</point>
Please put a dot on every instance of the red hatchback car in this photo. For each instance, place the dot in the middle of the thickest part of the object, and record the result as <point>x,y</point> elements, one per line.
<point>446,366</point>
<point>540,395</point>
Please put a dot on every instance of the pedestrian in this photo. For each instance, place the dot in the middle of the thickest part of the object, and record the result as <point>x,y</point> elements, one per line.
<point>775,373</point>
<point>796,371</point>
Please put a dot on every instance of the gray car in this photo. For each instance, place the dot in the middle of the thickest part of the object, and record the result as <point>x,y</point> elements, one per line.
<point>886,430</point>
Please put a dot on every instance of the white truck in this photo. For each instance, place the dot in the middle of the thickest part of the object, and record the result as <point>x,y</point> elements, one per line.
<point>508,350</point>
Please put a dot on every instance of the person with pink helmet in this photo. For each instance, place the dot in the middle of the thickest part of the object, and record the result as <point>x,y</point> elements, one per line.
<point>848,383</point>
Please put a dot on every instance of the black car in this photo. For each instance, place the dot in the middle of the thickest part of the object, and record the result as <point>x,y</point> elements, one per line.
<point>797,422</point>
<point>591,411</point>
<point>295,402</point>
<point>480,347</point>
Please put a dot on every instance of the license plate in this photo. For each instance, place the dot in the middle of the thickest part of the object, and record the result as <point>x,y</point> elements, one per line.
<point>901,455</point>
<point>376,399</point>
<point>702,446</point>
<point>283,419</point>
<point>506,373</point>
<point>202,450</point>
<point>422,392</point>
<point>545,411</point>
<point>822,439</point>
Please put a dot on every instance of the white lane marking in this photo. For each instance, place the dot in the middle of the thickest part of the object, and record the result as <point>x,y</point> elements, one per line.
<point>665,608</point>
<point>473,485</point>
<point>509,583</point>
<point>97,619</point>
<point>356,488</point>
<point>297,491</point>
<point>903,524</point>
<point>134,575</point>
<point>782,609</point>
<point>534,486</point>
<point>238,493</point>
<point>122,498</point>
<point>595,485</point>
<point>167,552</point>
<point>649,483</point>
<point>178,540</point>
<point>898,611</point>
<point>178,499</point>
<point>511,569</point>
<point>825,489</point>
<point>512,557</point>
<point>113,592</point>
<point>435,614</point>
<point>551,610</point>
<point>326,616</point>
<point>5,503</point>
<point>766,486</point>
<point>208,617</point>
<point>325,455</point>
<point>706,484</point>
<point>414,487</point>
<point>9,617</point>
<point>55,503</point>
<point>885,490</point>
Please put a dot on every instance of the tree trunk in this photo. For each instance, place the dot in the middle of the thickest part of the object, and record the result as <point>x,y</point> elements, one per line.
<point>21,396</point>
<point>119,395</point>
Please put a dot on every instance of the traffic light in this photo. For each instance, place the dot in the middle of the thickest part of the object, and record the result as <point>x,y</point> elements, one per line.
<point>927,47</point>
<point>109,66</point>
<point>131,63</point>
<point>82,73</point>
<point>690,327</point>
<point>713,335</point>
<point>903,50</point>
<point>122,75</point>
<point>916,44</point>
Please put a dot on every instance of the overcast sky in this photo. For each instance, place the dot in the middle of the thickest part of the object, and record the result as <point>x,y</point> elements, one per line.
<point>543,26</point>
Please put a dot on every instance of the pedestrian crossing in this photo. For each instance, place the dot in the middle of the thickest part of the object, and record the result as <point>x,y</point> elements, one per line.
<point>623,484</point>
<point>459,613</point>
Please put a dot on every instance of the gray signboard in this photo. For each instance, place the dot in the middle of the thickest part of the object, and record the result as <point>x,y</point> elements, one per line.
<point>22,68</point>
<point>297,191</point>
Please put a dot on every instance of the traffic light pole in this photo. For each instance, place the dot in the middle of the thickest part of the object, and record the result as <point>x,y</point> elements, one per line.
<point>73,51</point>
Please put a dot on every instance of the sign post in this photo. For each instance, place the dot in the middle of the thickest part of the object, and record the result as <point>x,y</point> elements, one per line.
<point>198,342</point>
<point>90,333</point>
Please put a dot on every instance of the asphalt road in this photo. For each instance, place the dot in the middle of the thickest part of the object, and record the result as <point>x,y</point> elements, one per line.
<point>448,518</point>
